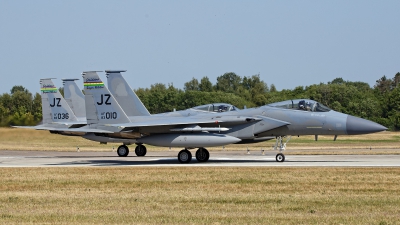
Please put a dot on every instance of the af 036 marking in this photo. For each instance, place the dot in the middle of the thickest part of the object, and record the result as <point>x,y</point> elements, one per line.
<point>61,116</point>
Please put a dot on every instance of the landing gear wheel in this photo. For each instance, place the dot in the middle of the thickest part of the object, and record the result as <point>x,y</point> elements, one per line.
<point>140,150</point>
<point>202,155</point>
<point>280,157</point>
<point>184,156</point>
<point>123,151</point>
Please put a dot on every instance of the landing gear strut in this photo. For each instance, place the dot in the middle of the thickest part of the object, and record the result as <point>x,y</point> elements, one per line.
<point>280,157</point>
<point>202,155</point>
<point>140,150</point>
<point>184,156</point>
<point>123,151</point>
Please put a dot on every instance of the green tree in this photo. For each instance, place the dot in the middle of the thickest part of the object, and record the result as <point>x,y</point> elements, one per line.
<point>338,80</point>
<point>229,82</point>
<point>396,80</point>
<point>37,107</point>
<point>192,85</point>
<point>394,108</point>
<point>205,85</point>
<point>20,108</point>
<point>21,102</point>
<point>383,84</point>
<point>272,88</point>
<point>17,88</point>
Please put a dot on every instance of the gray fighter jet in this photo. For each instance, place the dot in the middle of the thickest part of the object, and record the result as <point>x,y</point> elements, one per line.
<point>294,117</point>
<point>109,122</point>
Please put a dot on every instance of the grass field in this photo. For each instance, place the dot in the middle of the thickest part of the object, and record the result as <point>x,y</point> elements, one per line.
<point>194,195</point>
<point>378,143</point>
<point>201,195</point>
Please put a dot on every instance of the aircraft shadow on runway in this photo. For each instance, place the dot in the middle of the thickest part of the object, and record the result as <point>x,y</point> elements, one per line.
<point>174,162</point>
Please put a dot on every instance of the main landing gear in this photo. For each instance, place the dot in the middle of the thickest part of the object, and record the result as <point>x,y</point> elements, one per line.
<point>185,156</point>
<point>140,150</point>
<point>280,157</point>
<point>123,150</point>
<point>202,155</point>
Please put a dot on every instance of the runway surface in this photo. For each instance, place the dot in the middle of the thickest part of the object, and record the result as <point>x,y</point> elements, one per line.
<point>169,158</point>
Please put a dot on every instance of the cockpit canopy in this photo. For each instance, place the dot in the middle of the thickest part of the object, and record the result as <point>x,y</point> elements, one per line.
<point>216,107</point>
<point>301,104</point>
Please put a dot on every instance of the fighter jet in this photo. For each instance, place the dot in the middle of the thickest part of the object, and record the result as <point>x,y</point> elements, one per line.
<point>294,117</point>
<point>107,122</point>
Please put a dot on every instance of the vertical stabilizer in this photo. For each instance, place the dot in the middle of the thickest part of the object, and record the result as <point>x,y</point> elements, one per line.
<point>125,96</point>
<point>54,106</point>
<point>75,98</point>
<point>101,106</point>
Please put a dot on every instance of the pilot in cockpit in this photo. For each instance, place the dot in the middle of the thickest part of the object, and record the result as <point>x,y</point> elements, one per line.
<point>222,108</point>
<point>302,105</point>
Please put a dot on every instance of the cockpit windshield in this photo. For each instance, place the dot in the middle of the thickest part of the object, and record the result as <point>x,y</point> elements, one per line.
<point>216,107</point>
<point>301,104</point>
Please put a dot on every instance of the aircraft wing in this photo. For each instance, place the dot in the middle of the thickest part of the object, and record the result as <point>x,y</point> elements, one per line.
<point>186,124</point>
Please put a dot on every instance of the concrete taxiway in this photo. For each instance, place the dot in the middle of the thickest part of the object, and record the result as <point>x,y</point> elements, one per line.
<point>169,158</point>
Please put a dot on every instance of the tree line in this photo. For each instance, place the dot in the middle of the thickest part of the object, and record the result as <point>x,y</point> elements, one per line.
<point>380,103</point>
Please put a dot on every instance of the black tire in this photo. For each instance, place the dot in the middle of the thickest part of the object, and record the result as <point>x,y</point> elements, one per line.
<point>123,151</point>
<point>202,155</point>
<point>184,156</point>
<point>280,157</point>
<point>140,150</point>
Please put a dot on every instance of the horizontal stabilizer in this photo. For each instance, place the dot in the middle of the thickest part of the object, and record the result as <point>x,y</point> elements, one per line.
<point>50,126</point>
<point>83,129</point>
<point>25,127</point>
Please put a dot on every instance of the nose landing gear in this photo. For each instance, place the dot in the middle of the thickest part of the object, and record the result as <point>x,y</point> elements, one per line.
<point>280,157</point>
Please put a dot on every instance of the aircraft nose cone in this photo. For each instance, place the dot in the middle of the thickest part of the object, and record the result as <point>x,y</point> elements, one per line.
<point>355,125</point>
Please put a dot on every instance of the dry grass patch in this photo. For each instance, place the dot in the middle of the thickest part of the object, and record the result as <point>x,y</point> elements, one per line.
<point>200,195</point>
<point>26,139</point>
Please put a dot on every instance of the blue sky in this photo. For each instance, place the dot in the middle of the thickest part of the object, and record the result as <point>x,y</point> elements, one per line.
<point>289,43</point>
